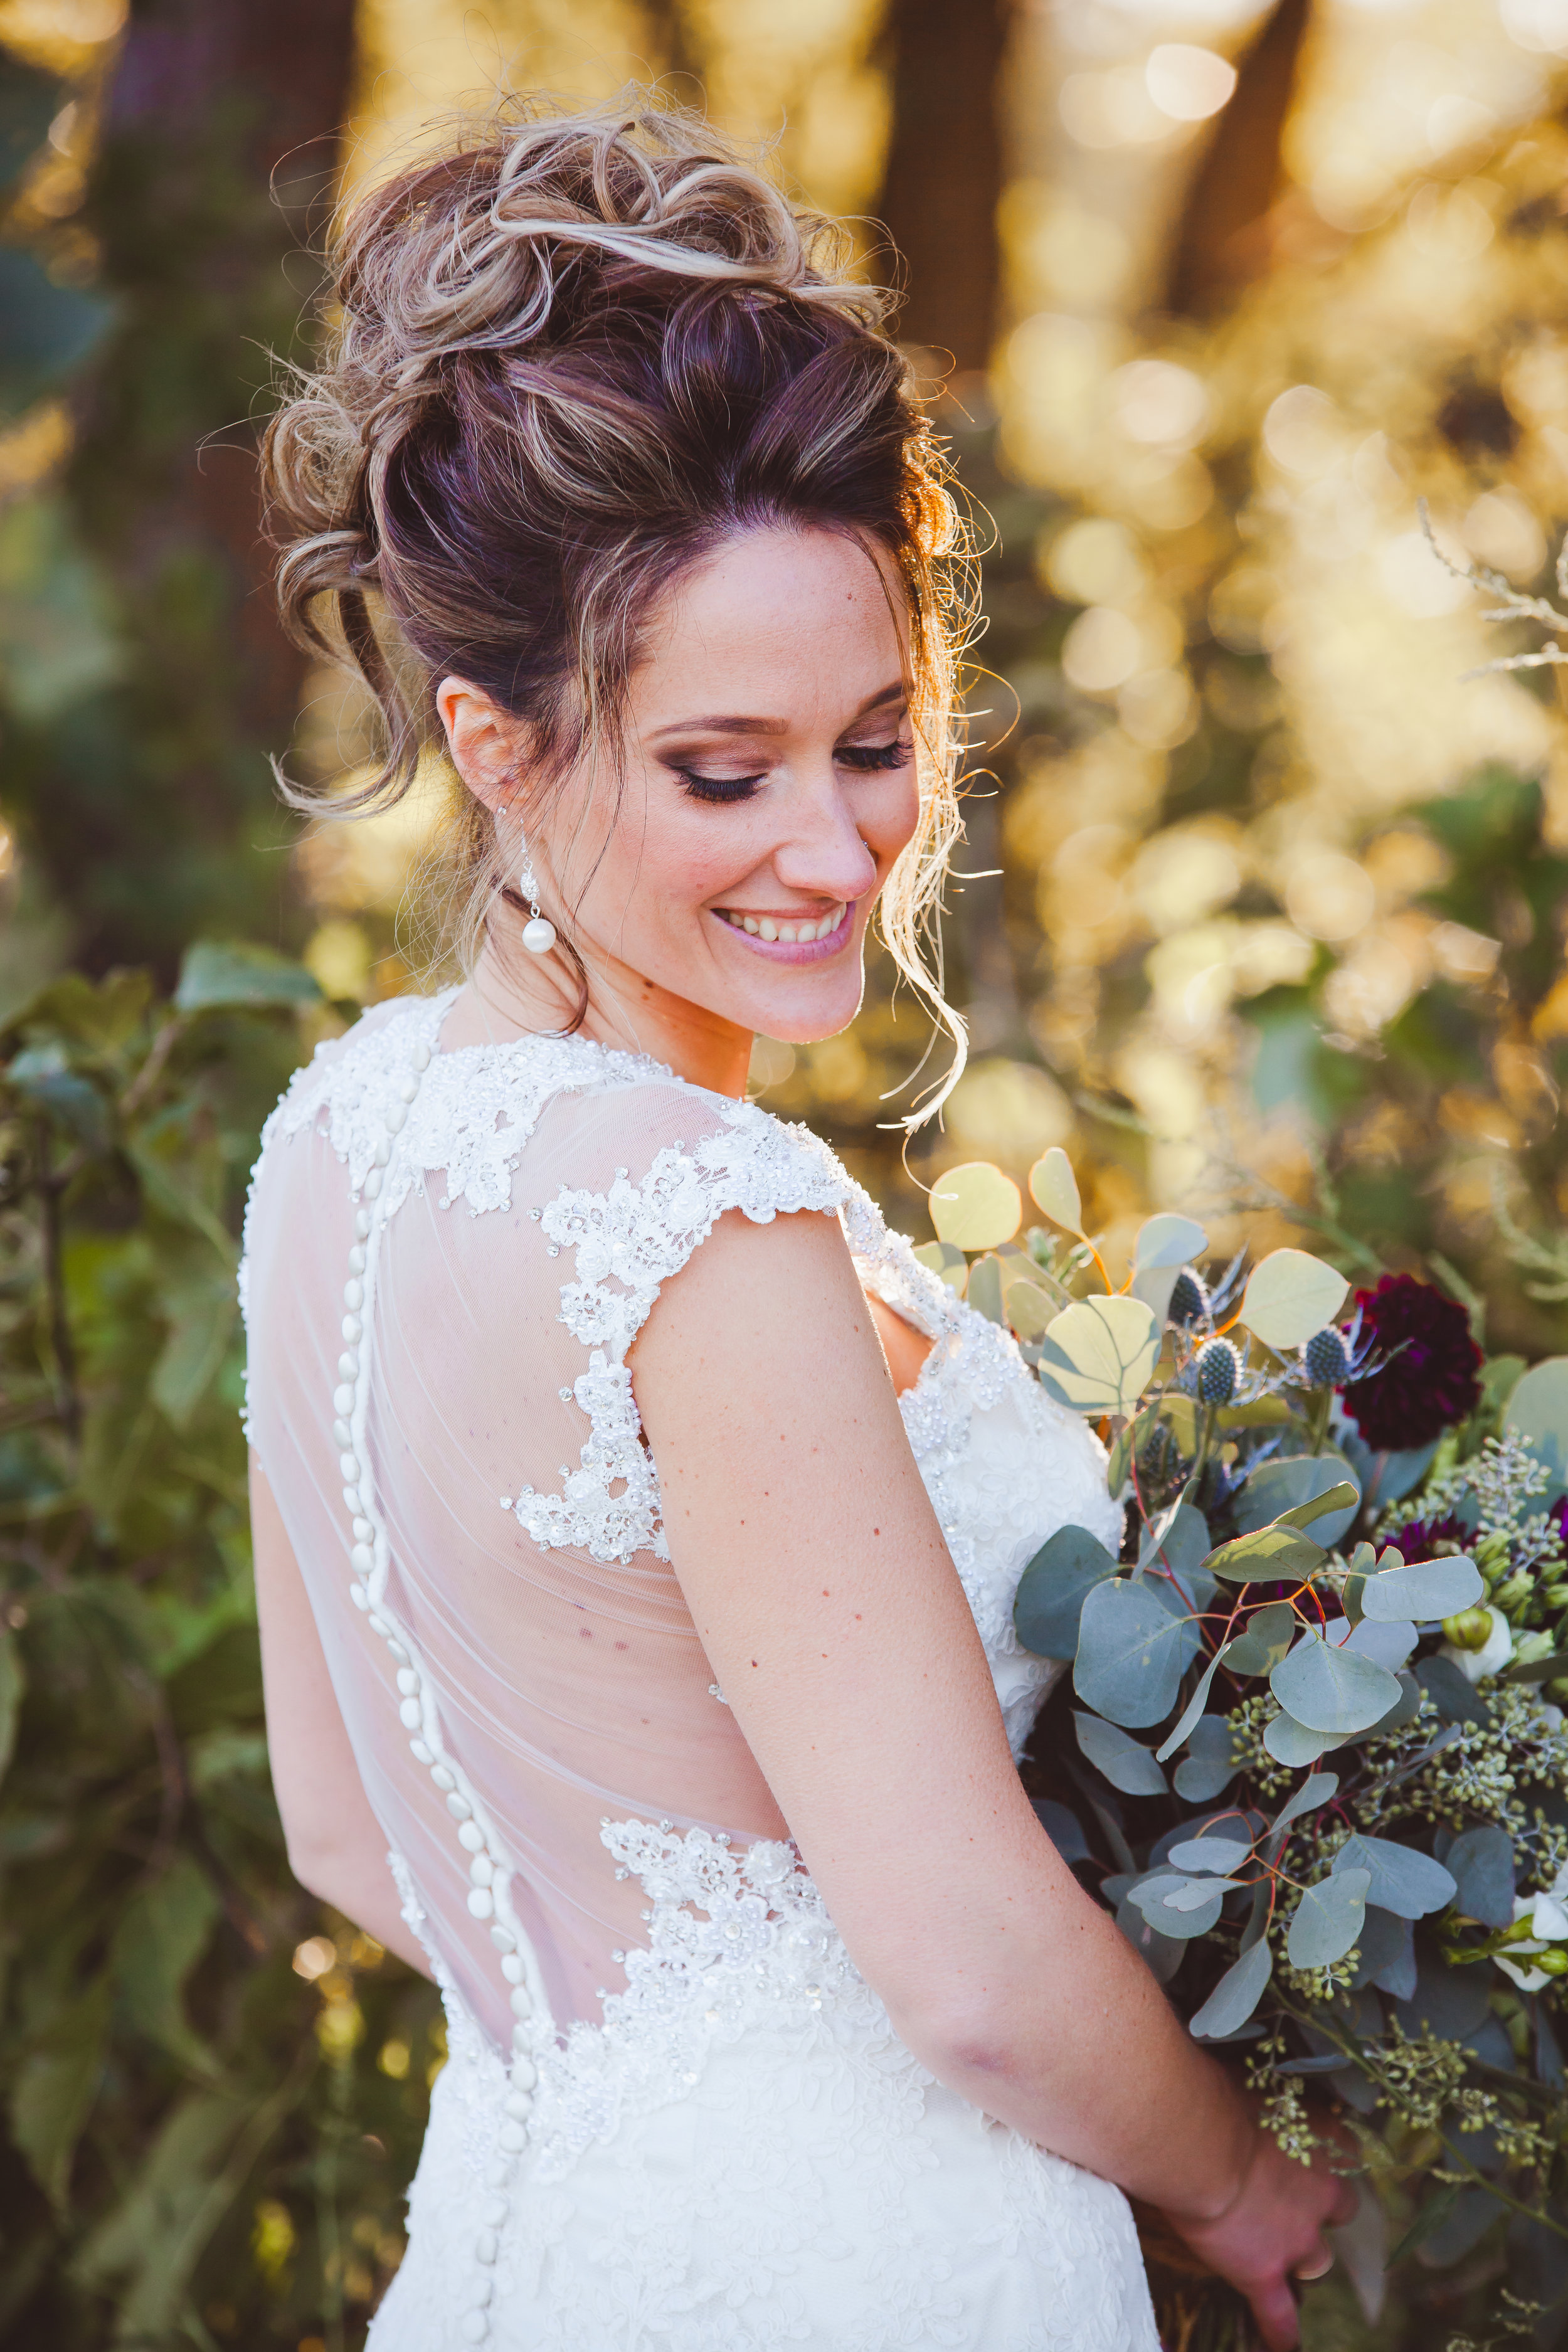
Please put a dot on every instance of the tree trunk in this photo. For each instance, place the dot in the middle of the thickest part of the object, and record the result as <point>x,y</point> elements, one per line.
<point>943,174</point>
<point>153,802</point>
<point>1221,241</point>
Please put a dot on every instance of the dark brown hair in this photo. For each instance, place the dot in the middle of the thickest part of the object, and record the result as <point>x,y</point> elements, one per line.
<point>569,356</point>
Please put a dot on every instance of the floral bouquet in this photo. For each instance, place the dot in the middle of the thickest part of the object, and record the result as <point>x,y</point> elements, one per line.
<point>1309,1746</point>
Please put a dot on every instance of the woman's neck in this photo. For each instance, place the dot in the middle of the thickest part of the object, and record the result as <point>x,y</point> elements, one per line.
<point>511,993</point>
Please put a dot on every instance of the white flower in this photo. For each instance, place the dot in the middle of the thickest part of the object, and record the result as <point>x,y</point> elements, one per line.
<point>1547,1913</point>
<point>1499,1650</point>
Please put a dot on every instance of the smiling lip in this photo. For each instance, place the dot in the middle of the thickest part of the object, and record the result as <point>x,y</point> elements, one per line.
<point>810,949</point>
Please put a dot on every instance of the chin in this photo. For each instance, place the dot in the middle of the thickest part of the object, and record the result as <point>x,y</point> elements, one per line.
<point>795,1023</point>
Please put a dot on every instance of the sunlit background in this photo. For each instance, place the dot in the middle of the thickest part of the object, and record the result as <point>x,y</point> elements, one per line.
<point>1262,890</point>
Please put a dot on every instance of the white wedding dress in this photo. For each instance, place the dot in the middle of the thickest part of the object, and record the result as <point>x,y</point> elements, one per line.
<point>674,2118</point>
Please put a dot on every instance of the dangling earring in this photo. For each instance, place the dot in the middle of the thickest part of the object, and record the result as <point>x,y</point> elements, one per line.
<point>539,931</point>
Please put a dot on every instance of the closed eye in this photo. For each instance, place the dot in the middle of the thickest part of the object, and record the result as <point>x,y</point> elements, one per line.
<point>863,759</point>
<point>867,757</point>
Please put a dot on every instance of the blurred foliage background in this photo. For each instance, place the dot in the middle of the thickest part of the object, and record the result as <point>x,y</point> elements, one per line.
<point>1261,905</point>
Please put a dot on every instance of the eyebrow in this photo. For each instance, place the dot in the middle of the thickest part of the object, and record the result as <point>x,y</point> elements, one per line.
<point>897,692</point>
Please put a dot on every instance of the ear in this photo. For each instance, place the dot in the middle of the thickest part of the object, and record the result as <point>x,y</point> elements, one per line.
<point>483,740</point>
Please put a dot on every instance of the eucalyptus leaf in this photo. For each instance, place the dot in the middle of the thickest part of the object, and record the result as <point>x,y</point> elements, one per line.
<point>1186,1722</point>
<point>1386,1953</point>
<point>1538,1410</point>
<point>947,1262</point>
<point>1063,1828</point>
<point>1400,1879</point>
<point>976,1206</point>
<point>1327,1919</point>
<point>1099,1353</point>
<point>1183,1919</point>
<point>1299,1492</point>
<point>1290,1743</point>
<point>1290,1296</point>
<point>984,1292</point>
<point>1131,1652</point>
<point>1209,1764</point>
<point>1126,1764</point>
<point>1236,1995</point>
<point>1481,1862</point>
<point>1387,1643</point>
<point>1268,1635</point>
<point>1424,1588</point>
<point>1270,1554</point>
<point>1306,1799</point>
<point>1053,1188</point>
<point>1052,1590</point>
<point>1451,1693</point>
<point>1333,1690</point>
<point>1027,1308</point>
<point>1178,1541</point>
<point>1220,1855</point>
<point>1168,1239</point>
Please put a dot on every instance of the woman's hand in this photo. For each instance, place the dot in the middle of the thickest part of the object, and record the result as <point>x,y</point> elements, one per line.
<point>1272,2233</point>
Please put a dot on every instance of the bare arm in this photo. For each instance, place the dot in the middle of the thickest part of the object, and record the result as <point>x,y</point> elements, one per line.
<point>337,1849</point>
<point>825,1597</point>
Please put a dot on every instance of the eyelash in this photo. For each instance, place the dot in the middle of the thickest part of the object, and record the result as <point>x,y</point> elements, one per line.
<point>864,759</point>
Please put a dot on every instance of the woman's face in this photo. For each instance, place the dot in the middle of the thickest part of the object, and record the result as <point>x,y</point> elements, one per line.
<point>768,785</point>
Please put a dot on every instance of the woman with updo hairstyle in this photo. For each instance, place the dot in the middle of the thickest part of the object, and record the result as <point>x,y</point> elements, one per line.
<point>637,1523</point>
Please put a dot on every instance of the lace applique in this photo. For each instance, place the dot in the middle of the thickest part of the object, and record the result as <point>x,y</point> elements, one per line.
<point>627,1242</point>
<point>744,2156</point>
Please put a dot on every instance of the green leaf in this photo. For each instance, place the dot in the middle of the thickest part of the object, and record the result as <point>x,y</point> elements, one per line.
<point>202,1305</point>
<point>1127,1765</point>
<point>1052,1589</point>
<point>232,975</point>
<point>1327,1919</point>
<point>1400,1879</point>
<point>46,329</point>
<point>1429,2219</point>
<point>54,2086</point>
<point>947,1262</point>
<point>1425,1588</point>
<point>13,1687</point>
<point>1290,1296</point>
<point>1168,1239</point>
<point>1097,1355</point>
<point>1269,1634</point>
<point>1330,1689</point>
<point>1209,1764</point>
<point>160,1935</point>
<point>147,2244</point>
<point>1053,1188</point>
<point>1027,1308</point>
<point>29,101</point>
<point>1544,1669</point>
<point>1134,1645</point>
<point>1236,1995</point>
<point>1270,1555</point>
<point>46,1078</point>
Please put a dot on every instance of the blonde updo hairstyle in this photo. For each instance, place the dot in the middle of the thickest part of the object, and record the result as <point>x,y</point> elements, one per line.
<point>567,357</point>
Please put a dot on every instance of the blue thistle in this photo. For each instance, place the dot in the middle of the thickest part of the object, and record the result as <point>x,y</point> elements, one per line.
<point>1189,1298</point>
<point>1219,1371</point>
<point>1325,1359</point>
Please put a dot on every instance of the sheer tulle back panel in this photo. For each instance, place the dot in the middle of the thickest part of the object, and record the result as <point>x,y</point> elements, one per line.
<point>571,1688</point>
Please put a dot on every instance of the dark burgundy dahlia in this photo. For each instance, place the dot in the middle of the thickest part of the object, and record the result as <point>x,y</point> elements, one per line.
<point>1427,1365</point>
<point>1420,1538</point>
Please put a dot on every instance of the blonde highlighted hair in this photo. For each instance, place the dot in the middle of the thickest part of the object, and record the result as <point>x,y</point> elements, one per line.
<point>568,356</point>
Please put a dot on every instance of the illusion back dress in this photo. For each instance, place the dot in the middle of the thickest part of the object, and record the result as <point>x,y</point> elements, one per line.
<point>674,2118</point>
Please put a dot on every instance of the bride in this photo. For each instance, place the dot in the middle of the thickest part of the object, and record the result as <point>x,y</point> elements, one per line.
<point>637,1522</point>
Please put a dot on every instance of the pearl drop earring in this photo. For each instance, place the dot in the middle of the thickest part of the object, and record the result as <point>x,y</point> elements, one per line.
<point>539,931</point>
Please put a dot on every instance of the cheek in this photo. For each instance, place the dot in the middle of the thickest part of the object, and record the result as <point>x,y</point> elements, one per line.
<point>891,815</point>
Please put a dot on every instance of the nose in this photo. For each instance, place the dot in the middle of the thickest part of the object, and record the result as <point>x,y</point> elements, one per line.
<point>824,851</point>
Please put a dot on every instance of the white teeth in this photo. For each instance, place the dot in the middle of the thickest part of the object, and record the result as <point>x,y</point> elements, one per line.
<point>767,929</point>
<point>748,923</point>
<point>787,932</point>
